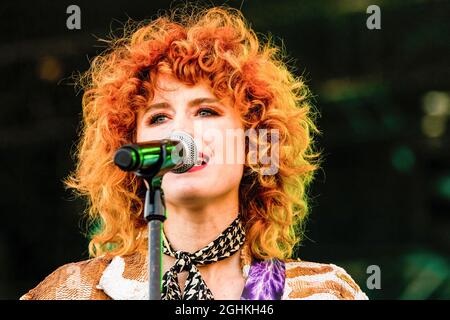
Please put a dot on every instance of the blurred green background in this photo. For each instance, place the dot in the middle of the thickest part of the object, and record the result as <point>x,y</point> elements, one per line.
<point>383,194</point>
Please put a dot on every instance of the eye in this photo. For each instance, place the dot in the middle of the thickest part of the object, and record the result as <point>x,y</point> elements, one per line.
<point>206,112</point>
<point>157,119</point>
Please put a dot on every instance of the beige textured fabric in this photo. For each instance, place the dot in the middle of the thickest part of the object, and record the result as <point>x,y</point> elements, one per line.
<point>317,281</point>
<point>80,280</point>
<point>73,281</point>
<point>124,277</point>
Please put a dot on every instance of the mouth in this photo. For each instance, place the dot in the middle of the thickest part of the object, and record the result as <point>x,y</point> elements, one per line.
<point>202,163</point>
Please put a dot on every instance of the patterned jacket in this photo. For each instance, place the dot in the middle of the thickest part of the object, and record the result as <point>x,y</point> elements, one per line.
<point>125,277</point>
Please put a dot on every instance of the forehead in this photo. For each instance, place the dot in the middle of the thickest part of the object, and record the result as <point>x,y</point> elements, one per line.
<point>170,88</point>
<point>169,92</point>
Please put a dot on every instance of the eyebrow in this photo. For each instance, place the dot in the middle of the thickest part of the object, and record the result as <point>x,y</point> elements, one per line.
<point>194,102</point>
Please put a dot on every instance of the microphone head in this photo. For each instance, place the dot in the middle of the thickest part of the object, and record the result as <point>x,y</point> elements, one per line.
<point>189,151</point>
<point>125,158</point>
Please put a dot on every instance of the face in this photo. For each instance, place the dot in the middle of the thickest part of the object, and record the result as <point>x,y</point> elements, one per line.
<point>198,112</point>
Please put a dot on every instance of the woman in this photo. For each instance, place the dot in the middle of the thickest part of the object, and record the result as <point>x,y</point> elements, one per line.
<point>231,226</point>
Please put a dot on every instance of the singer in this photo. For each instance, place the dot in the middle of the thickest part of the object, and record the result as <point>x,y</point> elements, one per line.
<point>235,218</point>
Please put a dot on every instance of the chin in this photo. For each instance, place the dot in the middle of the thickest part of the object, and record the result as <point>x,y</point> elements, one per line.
<point>181,188</point>
<point>200,185</point>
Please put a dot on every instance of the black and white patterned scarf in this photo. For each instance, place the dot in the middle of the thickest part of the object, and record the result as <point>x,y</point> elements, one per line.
<point>229,241</point>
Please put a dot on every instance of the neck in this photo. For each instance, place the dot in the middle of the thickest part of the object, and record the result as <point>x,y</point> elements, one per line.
<point>191,227</point>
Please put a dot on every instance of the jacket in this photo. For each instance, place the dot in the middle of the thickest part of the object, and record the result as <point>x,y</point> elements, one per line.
<point>125,278</point>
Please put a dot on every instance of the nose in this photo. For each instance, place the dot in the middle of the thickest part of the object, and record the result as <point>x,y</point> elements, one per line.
<point>183,123</point>
<point>192,128</point>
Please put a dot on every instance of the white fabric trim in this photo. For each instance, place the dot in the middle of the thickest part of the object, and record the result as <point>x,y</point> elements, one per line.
<point>117,287</point>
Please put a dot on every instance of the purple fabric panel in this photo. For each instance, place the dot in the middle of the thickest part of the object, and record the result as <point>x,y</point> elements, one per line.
<point>265,280</point>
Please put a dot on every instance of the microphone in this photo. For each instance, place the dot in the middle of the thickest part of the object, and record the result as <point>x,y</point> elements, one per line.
<point>181,154</point>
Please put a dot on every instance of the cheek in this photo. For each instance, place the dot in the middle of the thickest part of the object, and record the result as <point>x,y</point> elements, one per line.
<point>146,133</point>
<point>228,174</point>
<point>222,130</point>
<point>236,171</point>
<point>232,121</point>
<point>229,177</point>
<point>222,178</point>
<point>140,130</point>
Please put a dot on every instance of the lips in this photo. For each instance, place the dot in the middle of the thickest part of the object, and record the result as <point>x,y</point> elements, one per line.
<point>202,162</point>
<point>204,158</point>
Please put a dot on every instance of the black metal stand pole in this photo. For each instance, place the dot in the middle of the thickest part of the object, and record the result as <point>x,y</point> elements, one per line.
<point>154,213</point>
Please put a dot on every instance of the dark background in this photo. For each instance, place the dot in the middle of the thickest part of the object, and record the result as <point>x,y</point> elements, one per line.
<point>382,196</point>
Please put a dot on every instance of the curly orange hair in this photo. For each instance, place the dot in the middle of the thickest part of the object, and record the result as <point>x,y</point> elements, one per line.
<point>213,45</point>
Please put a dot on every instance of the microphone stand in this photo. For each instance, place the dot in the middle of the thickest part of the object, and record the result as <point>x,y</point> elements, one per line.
<point>154,213</point>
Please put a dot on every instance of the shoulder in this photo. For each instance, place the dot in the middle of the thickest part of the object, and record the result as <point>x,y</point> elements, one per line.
<point>310,280</point>
<point>77,280</point>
